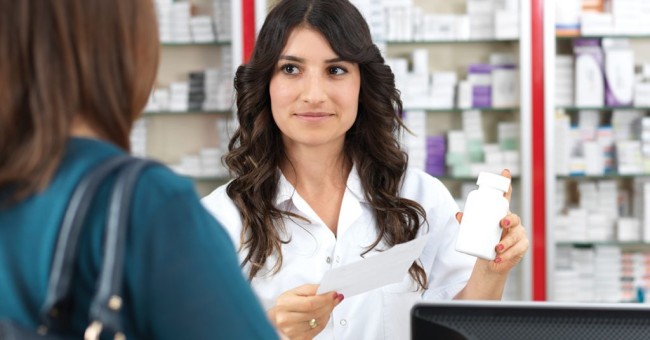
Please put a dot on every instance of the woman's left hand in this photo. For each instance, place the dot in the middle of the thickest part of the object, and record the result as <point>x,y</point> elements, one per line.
<point>513,243</point>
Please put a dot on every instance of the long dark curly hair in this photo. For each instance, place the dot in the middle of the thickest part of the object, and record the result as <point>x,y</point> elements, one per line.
<point>372,143</point>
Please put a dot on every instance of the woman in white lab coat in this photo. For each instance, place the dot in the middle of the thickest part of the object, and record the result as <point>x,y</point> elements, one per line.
<point>320,181</point>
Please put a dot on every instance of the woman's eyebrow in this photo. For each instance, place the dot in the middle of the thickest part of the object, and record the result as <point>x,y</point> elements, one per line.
<point>292,58</point>
<point>302,60</point>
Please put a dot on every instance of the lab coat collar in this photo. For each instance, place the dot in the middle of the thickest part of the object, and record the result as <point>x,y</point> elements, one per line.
<point>286,190</point>
<point>354,184</point>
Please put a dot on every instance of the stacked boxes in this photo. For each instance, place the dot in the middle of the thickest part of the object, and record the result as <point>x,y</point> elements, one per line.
<point>564,87</point>
<point>630,16</point>
<point>436,149</point>
<point>590,149</point>
<point>481,19</point>
<point>607,274</point>
<point>202,29</point>
<point>480,79</point>
<point>415,144</point>
<point>506,19</point>
<point>473,129</point>
<point>457,156</point>
<point>222,19</point>
<point>484,19</point>
<point>196,95</point>
<point>174,21</point>
<point>619,72</point>
<point>642,87</point>
<point>207,161</point>
<point>602,17</point>
<point>495,84</point>
<point>468,153</point>
<point>179,96</point>
<point>442,91</point>
<point>590,86</point>
<point>177,25</point>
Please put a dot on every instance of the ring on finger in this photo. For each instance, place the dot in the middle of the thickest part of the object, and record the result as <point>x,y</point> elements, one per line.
<point>313,324</point>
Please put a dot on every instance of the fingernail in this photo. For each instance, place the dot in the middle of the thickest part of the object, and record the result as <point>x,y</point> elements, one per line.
<point>336,296</point>
<point>341,297</point>
<point>500,247</point>
<point>506,223</point>
<point>497,260</point>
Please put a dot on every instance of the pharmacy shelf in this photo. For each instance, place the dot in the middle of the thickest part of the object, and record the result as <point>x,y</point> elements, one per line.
<point>601,177</point>
<point>589,244</point>
<point>456,109</point>
<point>451,42</point>
<point>171,135</point>
<point>185,44</point>
<point>554,45</point>
<point>185,113</point>
<point>467,178</point>
<point>617,36</point>
<point>603,108</point>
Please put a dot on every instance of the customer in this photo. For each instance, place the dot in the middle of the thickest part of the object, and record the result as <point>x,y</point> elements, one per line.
<point>320,181</point>
<point>74,75</point>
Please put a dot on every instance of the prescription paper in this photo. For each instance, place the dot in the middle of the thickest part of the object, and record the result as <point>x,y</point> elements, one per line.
<point>387,267</point>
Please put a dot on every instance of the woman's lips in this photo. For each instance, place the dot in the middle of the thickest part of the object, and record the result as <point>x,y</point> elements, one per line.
<point>314,116</point>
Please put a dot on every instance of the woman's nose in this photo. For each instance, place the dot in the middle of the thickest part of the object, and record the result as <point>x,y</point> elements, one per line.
<point>314,90</point>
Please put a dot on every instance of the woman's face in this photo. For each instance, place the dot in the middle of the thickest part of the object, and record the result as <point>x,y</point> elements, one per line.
<point>314,94</point>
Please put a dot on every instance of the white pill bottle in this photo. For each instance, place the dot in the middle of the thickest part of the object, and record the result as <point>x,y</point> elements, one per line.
<point>480,231</point>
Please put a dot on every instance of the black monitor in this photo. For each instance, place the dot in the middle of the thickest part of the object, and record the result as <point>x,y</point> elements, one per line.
<point>488,320</point>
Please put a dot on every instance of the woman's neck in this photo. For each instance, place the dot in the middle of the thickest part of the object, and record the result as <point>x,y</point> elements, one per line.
<point>314,170</point>
<point>80,128</point>
<point>320,176</point>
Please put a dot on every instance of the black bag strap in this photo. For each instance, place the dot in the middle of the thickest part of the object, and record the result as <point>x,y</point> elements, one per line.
<point>107,302</point>
<point>65,251</point>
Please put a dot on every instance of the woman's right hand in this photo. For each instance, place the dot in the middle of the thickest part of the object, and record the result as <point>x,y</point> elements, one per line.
<point>294,310</point>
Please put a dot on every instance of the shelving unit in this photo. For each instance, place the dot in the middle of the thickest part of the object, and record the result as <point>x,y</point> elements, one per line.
<point>456,56</point>
<point>190,136</point>
<point>607,264</point>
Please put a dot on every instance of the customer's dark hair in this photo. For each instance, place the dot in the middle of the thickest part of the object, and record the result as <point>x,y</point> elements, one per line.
<point>256,149</point>
<point>91,59</point>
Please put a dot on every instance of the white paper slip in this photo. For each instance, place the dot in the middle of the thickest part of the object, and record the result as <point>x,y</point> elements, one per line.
<point>390,266</point>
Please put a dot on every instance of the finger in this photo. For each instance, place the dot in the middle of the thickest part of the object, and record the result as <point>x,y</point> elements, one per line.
<point>301,329</point>
<point>297,324</point>
<point>305,304</point>
<point>510,239</point>
<point>510,221</point>
<point>506,173</point>
<point>305,290</point>
<point>514,253</point>
<point>323,310</point>
<point>459,216</point>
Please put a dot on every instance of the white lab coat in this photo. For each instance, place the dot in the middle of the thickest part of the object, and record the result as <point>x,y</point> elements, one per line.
<point>383,313</point>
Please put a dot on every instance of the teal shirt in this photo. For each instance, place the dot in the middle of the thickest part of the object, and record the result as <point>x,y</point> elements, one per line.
<point>182,279</point>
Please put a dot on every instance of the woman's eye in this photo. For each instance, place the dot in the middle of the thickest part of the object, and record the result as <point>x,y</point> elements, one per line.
<point>336,70</point>
<point>290,69</point>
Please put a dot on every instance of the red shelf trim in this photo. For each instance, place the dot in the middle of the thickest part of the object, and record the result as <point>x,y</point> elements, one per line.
<point>538,155</point>
<point>248,28</point>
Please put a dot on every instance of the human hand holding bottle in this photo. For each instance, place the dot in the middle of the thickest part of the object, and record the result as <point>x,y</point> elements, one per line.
<point>488,277</point>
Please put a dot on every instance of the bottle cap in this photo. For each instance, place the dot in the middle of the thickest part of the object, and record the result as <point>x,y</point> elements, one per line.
<point>493,180</point>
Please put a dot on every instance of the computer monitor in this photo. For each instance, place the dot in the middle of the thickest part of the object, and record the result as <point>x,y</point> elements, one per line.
<point>487,320</point>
